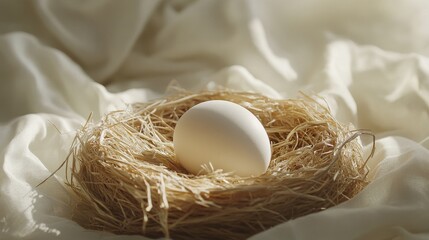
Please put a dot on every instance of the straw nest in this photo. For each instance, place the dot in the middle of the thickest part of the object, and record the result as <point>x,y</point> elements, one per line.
<point>127,180</point>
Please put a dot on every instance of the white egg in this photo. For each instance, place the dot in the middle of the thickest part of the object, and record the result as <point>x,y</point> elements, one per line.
<point>223,134</point>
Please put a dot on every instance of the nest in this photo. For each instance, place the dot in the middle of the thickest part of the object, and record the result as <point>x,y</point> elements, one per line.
<point>128,181</point>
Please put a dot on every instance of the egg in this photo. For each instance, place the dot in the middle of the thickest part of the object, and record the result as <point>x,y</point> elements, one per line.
<point>221,135</point>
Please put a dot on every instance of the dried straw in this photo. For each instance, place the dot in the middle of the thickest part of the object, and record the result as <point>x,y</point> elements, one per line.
<point>128,181</point>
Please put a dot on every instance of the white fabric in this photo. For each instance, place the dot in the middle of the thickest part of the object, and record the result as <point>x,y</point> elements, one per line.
<point>62,60</point>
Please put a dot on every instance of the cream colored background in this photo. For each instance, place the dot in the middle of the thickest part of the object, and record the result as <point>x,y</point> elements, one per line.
<point>62,60</point>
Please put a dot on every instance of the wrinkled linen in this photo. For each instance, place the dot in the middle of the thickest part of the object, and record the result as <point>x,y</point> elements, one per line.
<point>61,61</point>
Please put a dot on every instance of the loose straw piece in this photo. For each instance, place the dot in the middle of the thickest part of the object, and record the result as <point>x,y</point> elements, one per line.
<point>128,181</point>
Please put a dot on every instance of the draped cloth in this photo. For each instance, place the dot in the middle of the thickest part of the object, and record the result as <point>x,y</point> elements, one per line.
<point>61,61</point>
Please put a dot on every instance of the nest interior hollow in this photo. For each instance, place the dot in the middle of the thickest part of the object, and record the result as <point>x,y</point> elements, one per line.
<point>127,180</point>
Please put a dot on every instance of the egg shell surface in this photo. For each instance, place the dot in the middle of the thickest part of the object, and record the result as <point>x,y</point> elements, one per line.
<point>224,135</point>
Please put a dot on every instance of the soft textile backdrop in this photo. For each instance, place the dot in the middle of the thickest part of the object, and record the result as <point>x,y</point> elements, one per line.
<point>62,60</point>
